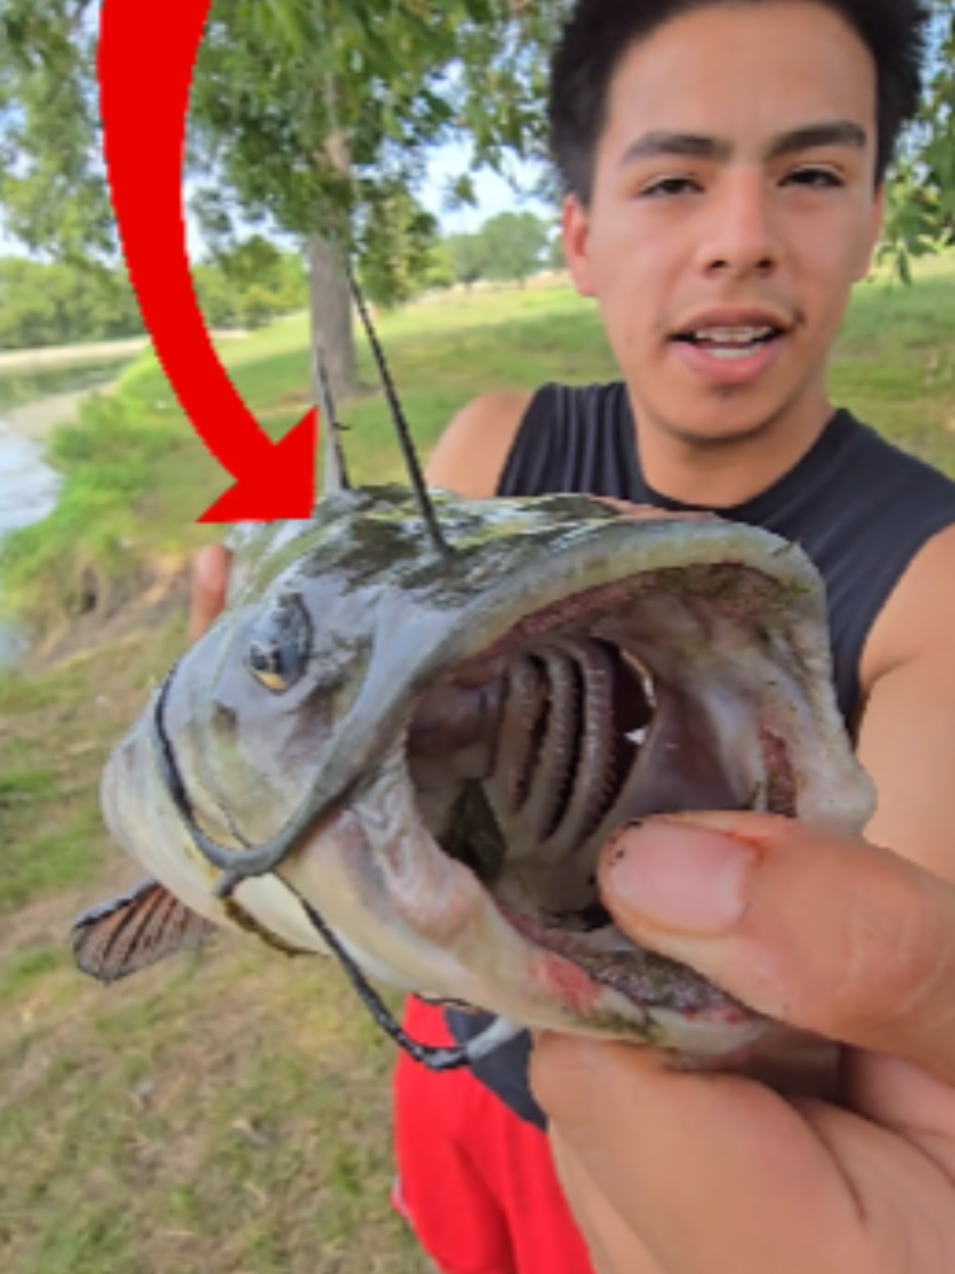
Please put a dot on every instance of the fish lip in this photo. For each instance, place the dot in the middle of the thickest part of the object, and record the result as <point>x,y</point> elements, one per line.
<point>700,996</point>
<point>734,316</point>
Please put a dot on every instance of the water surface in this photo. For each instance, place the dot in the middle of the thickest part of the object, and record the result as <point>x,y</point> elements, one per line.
<point>28,492</point>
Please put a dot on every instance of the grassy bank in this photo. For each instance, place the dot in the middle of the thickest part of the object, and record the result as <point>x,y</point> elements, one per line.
<point>137,476</point>
<point>229,1114</point>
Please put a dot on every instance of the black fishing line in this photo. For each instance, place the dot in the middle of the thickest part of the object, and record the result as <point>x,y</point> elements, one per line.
<point>401,425</point>
<point>430,1055</point>
<point>323,392</point>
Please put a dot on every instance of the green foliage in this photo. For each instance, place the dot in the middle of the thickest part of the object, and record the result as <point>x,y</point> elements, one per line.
<point>327,133</point>
<point>52,184</point>
<point>513,245</point>
<point>398,268</point>
<point>316,116</point>
<point>60,304</point>
<point>439,271</point>
<point>510,246</point>
<point>27,385</point>
<point>920,208</point>
<point>312,114</point>
<point>251,283</point>
<point>467,258</point>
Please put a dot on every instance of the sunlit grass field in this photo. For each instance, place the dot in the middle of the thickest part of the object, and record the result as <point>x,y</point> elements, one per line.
<point>229,1113</point>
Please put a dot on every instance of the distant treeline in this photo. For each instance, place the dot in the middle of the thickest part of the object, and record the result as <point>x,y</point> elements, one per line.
<point>62,304</point>
<point>510,247</point>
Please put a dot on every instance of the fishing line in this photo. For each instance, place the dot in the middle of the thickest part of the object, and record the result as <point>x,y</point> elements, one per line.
<point>433,1056</point>
<point>401,423</point>
<point>336,467</point>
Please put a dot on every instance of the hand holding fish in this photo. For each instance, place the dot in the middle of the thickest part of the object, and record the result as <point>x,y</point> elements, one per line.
<point>719,1174</point>
<point>209,588</point>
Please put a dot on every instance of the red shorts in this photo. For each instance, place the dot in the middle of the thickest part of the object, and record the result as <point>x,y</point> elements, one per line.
<point>475,1181</point>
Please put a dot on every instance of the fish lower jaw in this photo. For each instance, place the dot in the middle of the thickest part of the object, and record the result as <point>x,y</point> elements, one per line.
<point>668,1005</point>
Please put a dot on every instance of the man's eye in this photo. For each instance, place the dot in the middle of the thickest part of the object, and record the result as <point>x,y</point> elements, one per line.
<point>669,186</point>
<point>815,178</point>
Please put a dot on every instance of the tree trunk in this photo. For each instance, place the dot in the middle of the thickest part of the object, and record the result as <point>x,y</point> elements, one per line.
<point>333,335</point>
<point>331,309</point>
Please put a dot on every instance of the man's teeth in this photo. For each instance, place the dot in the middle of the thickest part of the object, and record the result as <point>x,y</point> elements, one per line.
<point>732,335</point>
<point>728,354</point>
<point>730,344</point>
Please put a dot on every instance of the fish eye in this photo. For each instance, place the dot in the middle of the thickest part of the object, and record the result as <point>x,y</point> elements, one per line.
<point>280,645</point>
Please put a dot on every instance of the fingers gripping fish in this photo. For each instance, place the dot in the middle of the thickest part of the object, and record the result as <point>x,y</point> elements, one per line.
<point>409,734</point>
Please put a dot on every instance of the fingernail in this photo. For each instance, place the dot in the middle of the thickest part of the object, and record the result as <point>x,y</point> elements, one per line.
<point>679,877</point>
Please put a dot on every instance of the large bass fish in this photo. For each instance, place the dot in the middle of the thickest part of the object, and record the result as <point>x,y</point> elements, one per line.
<point>420,717</point>
<point>415,756</point>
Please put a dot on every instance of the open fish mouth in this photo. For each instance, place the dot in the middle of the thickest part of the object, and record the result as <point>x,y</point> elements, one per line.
<point>587,716</point>
<point>423,758</point>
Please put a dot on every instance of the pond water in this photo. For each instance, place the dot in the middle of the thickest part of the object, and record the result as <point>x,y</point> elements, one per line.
<point>28,492</point>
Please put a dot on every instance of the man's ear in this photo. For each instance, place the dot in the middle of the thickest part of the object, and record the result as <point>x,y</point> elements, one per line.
<point>576,223</point>
<point>875,235</point>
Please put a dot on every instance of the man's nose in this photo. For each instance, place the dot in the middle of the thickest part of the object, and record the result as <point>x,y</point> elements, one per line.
<point>740,238</point>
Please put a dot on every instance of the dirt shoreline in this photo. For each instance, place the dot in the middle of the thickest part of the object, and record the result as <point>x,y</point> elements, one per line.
<point>54,357</point>
<point>38,419</point>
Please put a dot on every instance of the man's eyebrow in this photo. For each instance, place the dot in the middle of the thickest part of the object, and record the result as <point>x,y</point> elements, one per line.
<point>688,145</point>
<point>658,143</point>
<point>840,132</point>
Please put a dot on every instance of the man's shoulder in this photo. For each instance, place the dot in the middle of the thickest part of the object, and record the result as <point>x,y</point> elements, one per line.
<point>919,615</point>
<point>471,453</point>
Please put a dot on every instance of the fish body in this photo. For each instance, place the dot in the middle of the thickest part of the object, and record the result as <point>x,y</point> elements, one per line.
<point>425,750</point>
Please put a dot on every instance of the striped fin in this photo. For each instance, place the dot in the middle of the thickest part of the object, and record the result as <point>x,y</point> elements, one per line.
<point>130,933</point>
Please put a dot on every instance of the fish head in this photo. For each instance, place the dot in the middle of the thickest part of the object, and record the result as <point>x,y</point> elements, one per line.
<point>428,751</point>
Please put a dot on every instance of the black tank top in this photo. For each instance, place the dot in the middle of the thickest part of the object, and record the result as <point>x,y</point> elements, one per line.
<point>859,507</point>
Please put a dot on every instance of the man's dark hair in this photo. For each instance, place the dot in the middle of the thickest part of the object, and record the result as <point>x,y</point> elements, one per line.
<point>599,33</point>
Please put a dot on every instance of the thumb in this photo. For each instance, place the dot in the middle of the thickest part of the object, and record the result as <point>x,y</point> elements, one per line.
<point>827,933</point>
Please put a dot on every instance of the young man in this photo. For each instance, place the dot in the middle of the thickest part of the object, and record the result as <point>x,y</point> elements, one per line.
<point>724,166</point>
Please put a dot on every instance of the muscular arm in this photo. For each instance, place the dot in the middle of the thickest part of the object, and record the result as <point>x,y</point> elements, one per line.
<point>471,454</point>
<point>907,737</point>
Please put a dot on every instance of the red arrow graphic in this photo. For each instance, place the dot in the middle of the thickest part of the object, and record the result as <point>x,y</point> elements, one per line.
<point>147,57</point>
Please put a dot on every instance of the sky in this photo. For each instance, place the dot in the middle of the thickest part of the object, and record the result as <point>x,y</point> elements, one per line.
<point>495,195</point>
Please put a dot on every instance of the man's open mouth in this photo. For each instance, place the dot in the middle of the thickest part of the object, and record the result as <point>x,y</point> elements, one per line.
<point>732,343</point>
<point>661,693</point>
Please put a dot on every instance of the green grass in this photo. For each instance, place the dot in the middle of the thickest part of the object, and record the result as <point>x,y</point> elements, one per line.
<point>137,477</point>
<point>230,1113</point>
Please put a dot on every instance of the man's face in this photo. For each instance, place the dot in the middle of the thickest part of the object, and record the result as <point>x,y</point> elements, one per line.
<point>734,206</point>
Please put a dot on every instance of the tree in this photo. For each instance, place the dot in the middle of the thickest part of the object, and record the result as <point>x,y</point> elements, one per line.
<point>439,271</point>
<point>323,137</point>
<point>467,255</point>
<point>397,269</point>
<point>512,245</point>
<point>56,304</point>
<point>920,214</point>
